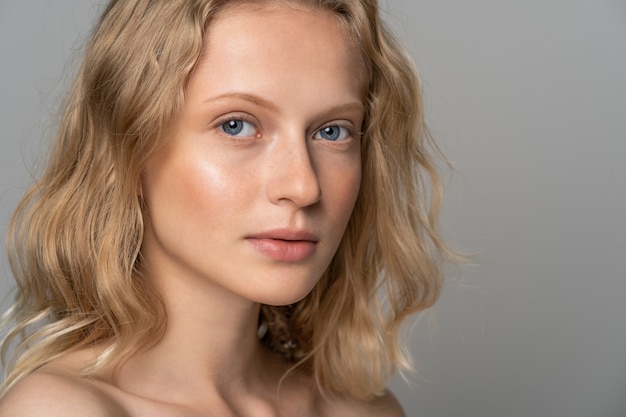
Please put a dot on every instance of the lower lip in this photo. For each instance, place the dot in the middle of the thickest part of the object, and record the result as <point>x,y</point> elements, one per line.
<point>284,250</point>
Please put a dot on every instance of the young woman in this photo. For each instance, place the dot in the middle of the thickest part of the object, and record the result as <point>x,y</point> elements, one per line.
<point>232,185</point>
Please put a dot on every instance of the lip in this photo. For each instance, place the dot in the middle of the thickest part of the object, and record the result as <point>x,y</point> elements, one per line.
<point>284,245</point>
<point>285,234</point>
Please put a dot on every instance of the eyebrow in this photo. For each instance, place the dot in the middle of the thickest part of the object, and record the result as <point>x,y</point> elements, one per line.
<point>260,101</point>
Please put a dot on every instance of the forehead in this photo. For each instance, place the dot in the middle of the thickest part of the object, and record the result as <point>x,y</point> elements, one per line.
<point>247,32</point>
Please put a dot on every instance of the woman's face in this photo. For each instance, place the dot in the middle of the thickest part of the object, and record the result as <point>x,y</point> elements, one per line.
<point>254,191</point>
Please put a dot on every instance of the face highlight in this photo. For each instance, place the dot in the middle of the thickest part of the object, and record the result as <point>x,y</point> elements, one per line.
<point>253,192</point>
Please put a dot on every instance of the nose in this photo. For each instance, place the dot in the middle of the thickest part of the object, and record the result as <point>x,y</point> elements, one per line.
<point>292,177</point>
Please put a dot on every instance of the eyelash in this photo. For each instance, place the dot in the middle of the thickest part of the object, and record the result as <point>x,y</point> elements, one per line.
<point>350,133</point>
<point>237,118</point>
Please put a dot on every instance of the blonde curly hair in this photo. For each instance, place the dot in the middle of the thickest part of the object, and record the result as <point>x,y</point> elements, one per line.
<point>75,239</point>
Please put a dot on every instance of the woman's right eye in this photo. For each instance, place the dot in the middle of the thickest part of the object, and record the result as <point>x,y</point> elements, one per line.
<point>238,127</point>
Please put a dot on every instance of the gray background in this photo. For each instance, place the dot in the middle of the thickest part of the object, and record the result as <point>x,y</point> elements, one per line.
<point>528,99</point>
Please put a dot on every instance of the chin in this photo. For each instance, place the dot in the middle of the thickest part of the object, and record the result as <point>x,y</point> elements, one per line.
<point>285,296</point>
<point>280,285</point>
<point>284,299</point>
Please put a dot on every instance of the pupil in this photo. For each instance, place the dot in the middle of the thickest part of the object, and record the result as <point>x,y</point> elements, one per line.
<point>233,127</point>
<point>331,132</point>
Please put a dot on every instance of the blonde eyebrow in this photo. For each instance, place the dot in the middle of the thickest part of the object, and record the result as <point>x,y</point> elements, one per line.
<point>254,99</point>
<point>352,106</point>
<point>261,102</point>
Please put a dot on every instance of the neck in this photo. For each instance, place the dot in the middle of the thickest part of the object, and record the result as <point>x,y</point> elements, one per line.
<point>210,344</point>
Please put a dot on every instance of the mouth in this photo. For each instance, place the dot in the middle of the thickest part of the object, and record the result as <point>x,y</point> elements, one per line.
<point>284,245</point>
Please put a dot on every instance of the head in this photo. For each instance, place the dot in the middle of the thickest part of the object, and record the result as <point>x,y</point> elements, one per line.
<point>254,189</point>
<point>87,215</point>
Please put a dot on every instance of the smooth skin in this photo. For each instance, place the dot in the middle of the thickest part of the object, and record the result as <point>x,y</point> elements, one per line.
<point>246,205</point>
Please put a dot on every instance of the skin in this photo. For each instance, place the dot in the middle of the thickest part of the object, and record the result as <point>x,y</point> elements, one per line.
<point>251,165</point>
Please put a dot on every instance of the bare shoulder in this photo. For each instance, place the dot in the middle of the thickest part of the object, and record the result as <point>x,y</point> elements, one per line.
<point>385,405</point>
<point>388,405</point>
<point>49,394</point>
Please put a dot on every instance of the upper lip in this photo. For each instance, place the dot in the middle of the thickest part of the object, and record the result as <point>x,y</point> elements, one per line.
<point>285,234</point>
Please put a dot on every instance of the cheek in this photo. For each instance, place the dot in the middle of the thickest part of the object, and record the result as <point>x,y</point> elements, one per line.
<point>188,191</point>
<point>201,190</point>
<point>343,182</point>
<point>352,189</point>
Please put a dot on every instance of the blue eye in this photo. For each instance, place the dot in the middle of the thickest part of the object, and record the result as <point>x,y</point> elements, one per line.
<point>238,127</point>
<point>333,133</point>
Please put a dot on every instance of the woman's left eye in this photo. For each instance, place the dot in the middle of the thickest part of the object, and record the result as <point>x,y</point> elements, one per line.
<point>238,127</point>
<point>333,133</point>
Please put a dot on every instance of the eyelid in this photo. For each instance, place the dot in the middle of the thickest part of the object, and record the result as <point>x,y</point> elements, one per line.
<point>236,116</point>
<point>349,126</point>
